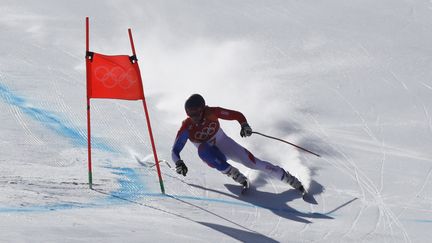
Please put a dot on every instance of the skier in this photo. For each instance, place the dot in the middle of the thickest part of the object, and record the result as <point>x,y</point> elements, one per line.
<point>202,128</point>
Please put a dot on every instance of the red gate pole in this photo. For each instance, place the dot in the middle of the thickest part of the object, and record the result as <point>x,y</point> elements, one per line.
<point>88,109</point>
<point>148,121</point>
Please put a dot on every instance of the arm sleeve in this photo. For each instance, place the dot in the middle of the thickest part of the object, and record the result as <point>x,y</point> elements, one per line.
<point>226,114</point>
<point>179,143</point>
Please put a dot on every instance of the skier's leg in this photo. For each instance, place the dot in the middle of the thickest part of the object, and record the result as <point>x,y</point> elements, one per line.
<point>216,159</point>
<point>238,153</point>
<point>213,157</point>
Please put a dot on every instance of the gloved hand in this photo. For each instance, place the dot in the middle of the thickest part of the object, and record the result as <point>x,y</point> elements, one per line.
<point>246,130</point>
<point>181,168</point>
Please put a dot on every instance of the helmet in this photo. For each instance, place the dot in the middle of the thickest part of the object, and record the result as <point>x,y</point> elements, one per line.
<point>194,107</point>
<point>194,101</point>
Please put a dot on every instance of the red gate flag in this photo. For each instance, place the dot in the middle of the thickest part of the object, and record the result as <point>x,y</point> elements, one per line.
<point>113,77</point>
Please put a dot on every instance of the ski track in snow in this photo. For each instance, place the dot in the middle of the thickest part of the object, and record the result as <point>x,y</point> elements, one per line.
<point>132,127</point>
<point>17,114</point>
<point>393,218</point>
<point>426,85</point>
<point>366,185</point>
<point>428,118</point>
<point>418,193</point>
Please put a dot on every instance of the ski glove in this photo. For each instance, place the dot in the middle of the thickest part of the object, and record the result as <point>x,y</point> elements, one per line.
<point>181,168</point>
<point>246,130</point>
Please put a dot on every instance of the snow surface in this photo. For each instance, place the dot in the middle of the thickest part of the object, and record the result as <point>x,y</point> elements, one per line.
<point>351,80</point>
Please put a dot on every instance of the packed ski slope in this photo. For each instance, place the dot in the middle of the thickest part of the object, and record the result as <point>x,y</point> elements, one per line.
<point>350,80</point>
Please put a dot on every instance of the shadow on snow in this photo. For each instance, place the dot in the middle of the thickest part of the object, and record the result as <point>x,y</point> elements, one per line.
<point>241,233</point>
<point>275,202</point>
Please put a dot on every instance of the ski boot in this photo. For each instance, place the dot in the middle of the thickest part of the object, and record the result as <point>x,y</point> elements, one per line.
<point>239,177</point>
<point>293,181</point>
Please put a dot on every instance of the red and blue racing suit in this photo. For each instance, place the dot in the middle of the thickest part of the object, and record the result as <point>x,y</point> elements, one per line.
<point>215,147</point>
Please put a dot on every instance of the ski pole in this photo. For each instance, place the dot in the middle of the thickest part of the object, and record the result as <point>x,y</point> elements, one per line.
<point>267,136</point>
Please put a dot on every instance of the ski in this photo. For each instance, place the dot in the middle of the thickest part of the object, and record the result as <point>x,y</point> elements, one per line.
<point>307,197</point>
<point>150,163</point>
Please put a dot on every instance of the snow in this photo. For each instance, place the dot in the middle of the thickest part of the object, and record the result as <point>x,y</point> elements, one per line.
<point>350,80</point>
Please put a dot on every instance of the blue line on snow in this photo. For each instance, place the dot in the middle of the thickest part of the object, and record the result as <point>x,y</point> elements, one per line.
<point>131,185</point>
<point>50,120</point>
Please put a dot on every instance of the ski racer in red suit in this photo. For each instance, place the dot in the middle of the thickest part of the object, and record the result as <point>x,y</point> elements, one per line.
<point>202,128</point>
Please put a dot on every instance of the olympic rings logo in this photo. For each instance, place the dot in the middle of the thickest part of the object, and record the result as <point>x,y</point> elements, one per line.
<point>206,132</point>
<point>116,76</point>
